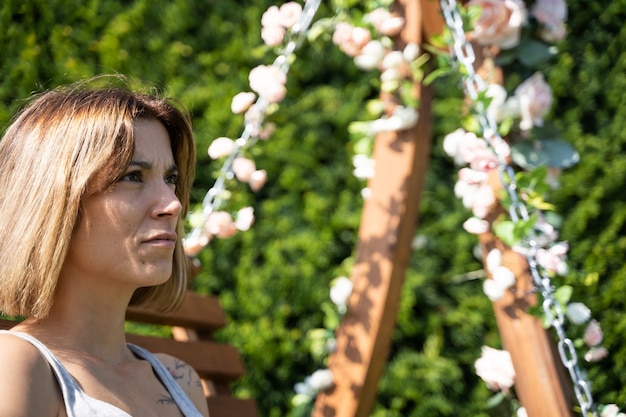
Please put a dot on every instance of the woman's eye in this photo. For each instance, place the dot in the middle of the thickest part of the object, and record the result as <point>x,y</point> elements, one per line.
<point>132,177</point>
<point>172,179</point>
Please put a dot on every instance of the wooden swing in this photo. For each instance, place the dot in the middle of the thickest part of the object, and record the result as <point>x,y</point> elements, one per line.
<point>387,229</point>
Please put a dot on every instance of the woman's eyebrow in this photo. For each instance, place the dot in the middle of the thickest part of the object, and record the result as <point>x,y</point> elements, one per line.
<point>148,165</point>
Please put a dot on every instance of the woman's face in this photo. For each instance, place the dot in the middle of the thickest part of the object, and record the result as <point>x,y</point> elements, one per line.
<point>126,234</point>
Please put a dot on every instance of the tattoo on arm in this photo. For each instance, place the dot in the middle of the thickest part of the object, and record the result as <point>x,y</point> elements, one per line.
<point>165,399</point>
<point>184,373</point>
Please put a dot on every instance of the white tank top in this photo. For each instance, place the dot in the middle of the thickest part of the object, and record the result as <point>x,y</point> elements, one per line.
<point>79,404</point>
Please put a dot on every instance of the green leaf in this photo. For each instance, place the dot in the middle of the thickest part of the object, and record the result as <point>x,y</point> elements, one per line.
<point>549,152</point>
<point>563,294</point>
<point>496,400</point>
<point>505,230</point>
<point>532,53</point>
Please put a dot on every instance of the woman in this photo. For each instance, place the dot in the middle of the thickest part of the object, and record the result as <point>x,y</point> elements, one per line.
<point>94,184</point>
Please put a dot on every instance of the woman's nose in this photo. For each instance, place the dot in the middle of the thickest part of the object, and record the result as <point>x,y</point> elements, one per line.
<point>168,203</point>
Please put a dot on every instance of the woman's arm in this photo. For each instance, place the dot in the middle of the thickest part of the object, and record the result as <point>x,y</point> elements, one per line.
<point>28,387</point>
<point>188,380</point>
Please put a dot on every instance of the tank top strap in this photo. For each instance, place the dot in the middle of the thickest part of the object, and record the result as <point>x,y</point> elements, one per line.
<point>182,400</point>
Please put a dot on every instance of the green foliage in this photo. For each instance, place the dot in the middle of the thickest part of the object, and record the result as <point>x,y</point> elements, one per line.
<point>273,279</point>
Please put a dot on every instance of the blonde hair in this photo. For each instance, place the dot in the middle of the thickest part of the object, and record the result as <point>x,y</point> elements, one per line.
<point>67,144</point>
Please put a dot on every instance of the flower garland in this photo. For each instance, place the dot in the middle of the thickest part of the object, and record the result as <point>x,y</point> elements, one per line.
<point>285,25</point>
<point>523,39</point>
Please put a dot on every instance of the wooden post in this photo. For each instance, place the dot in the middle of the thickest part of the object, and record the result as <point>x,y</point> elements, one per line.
<point>541,382</point>
<point>387,229</point>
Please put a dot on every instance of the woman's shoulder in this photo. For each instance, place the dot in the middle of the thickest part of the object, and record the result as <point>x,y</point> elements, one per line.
<point>26,378</point>
<point>187,378</point>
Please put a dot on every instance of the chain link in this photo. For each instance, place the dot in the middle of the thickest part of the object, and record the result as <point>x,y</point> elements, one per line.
<point>464,56</point>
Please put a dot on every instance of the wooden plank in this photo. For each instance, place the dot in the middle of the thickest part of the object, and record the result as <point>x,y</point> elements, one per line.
<point>212,360</point>
<point>223,406</point>
<point>6,324</point>
<point>196,312</point>
<point>387,229</point>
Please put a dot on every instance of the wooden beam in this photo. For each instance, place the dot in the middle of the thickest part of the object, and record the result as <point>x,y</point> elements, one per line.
<point>541,381</point>
<point>387,229</point>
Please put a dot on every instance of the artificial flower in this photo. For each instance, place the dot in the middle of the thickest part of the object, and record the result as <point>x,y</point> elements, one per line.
<point>384,22</point>
<point>370,56</point>
<point>593,334</point>
<point>273,35</point>
<point>243,168</point>
<point>500,22</point>
<point>245,218</point>
<point>321,380</point>
<point>475,226</point>
<point>493,290</point>
<point>577,313</point>
<point>596,353</point>
<point>268,82</point>
<point>257,179</point>
<point>551,14</point>
<point>220,224</point>
<point>350,39</point>
<point>535,98</point>
<point>495,367</point>
<point>220,147</point>
<point>364,166</point>
<point>611,410</point>
<point>503,276</point>
<point>553,259</point>
<point>242,101</point>
<point>340,293</point>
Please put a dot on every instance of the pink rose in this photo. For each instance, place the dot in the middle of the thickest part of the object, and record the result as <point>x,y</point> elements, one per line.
<point>243,168</point>
<point>349,39</point>
<point>484,199</point>
<point>194,244</point>
<point>451,143</point>
<point>385,23</point>
<point>271,17</point>
<point>258,179</point>
<point>242,101</point>
<point>484,160</point>
<point>245,218</point>
<point>500,22</point>
<point>475,226</point>
<point>273,35</point>
<point>371,55</point>
<point>476,152</point>
<point>553,259</point>
<point>377,17</point>
<point>596,354</point>
<point>593,334</point>
<point>472,176</point>
<point>535,97</point>
<point>269,82</point>
<point>221,147</point>
<point>495,367</point>
<point>289,14</point>
<point>220,224</point>
<point>552,15</point>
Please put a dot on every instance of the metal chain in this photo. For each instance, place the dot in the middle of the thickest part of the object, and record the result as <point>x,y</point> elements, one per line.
<point>464,56</point>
